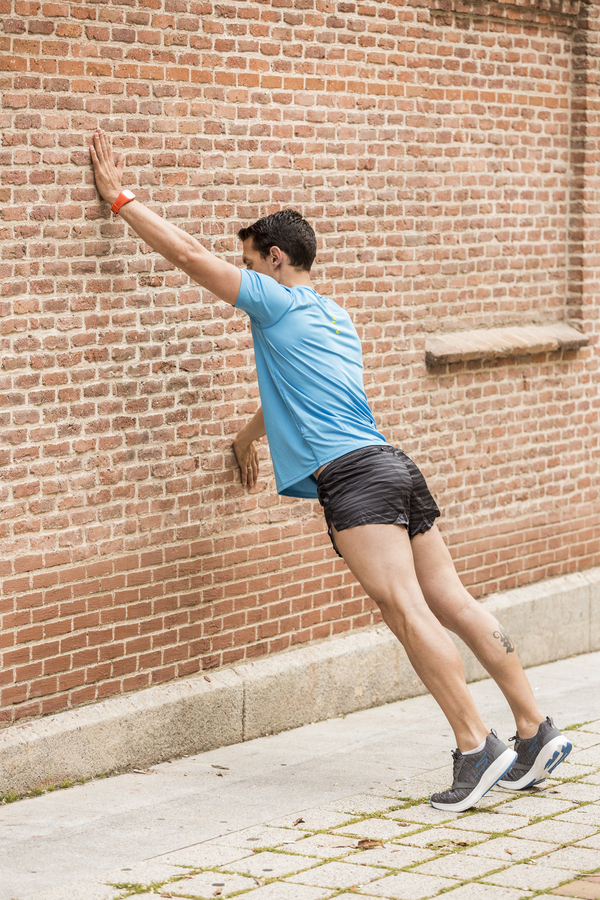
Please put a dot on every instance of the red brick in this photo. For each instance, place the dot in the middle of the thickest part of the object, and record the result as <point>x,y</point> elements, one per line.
<point>133,554</point>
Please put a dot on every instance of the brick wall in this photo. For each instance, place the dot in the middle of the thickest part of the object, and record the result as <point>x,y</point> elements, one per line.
<point>447,155</point>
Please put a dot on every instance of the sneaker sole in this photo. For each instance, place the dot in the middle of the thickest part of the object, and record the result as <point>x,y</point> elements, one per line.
<point>549,757</point>
<point>490,777</point>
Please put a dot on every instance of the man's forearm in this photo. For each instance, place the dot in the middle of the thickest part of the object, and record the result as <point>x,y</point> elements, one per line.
<point>167,239</point>
<point>252,430</point>
<point>184,251</point>
<point>174,244</point>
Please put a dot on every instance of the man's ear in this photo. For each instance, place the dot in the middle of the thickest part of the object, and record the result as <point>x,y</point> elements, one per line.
<point>276,257</point>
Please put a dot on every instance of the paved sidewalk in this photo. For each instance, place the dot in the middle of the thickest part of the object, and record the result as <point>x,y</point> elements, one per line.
<point>336,809</point>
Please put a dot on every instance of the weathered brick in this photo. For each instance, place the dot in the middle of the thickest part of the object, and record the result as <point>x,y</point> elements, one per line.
<point>450,166</point>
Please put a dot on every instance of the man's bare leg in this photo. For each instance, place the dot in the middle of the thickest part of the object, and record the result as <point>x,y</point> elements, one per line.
<point>452,604</point>
<point>381,558</point>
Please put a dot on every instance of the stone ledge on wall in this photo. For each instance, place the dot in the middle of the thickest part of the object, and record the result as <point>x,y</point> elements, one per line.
<point>492,343</point>
<point>555,13</point>
<point>549,620</point>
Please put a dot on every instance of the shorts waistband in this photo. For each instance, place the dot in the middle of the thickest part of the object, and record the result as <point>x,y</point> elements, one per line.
<point>346,456</point>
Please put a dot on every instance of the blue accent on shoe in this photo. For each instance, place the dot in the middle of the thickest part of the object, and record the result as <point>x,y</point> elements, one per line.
<point>497,780</point>
<point>558,757</point>
<point>533,767</point>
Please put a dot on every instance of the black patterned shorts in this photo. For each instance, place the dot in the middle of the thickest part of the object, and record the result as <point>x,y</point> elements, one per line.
<point>375,485</point>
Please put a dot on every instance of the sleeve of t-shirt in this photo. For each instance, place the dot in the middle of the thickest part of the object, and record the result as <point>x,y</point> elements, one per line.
<point>263,298</point>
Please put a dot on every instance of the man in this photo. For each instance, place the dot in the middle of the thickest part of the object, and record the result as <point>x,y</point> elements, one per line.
<point>379,512</point>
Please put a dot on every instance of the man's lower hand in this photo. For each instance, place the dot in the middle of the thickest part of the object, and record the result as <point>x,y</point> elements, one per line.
<point>108,174</point>
<point>247,458</point>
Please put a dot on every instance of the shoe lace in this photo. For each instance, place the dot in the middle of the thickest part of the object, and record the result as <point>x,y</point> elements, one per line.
<point>457,758</point>
<point>517,741</point>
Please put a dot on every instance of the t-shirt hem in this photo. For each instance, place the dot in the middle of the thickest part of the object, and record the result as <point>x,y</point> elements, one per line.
<point>282,489</point>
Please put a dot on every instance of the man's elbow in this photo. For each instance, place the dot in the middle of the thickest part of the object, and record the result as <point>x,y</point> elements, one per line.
<point>192,260</point>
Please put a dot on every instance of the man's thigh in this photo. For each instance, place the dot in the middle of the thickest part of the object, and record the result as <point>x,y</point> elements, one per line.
<point>442,588</point>
<point>380,557</point>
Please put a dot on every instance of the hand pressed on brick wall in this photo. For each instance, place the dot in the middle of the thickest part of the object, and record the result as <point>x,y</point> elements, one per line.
<point>107,173</point>
<point>244,447</point>
<point>175,245</point>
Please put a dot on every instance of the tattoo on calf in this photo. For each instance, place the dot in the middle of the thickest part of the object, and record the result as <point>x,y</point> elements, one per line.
<point>506,641</point>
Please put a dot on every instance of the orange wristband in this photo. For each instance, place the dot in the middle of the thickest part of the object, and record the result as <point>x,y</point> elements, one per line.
<point>123,198</point>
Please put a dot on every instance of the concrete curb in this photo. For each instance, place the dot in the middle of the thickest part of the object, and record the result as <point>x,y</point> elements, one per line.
<point>548,621</point>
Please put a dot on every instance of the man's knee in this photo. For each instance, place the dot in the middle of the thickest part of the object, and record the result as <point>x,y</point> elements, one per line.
<point>406,608</point>
<point>454,610</point>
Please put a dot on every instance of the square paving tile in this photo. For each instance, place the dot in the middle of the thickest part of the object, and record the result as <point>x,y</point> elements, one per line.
<point>583,859</point>
<point>352,896</point>
<point>583,739</point>
<point>326,845</point>
<point>571,769</point>
<point>393,856</point>
<point>207,883</point>
<point>592,726</point>
<point>589,757</point>
<point>423,786</point>
<point>494,797</point>
<point>535,806</point>
<point>408,886</point>
<point>141,896</point>
<point>530,877</point>
<point>555,832</point>
<point>456,865</point>
<point>424,814</point>
<point>576,790</point>
<point>439,838</point>
<point>256,836</point>
<point>489,822</point>
<point>592,841</point>
<point>143,872</point>
<point>271,865</point>
<point>479,891</point>
<point>281,890</point>
<point>584,815</point>
<point>204,855</point>
<point>363,804</point>
<point>378,829</point>
<point>312,820</point>
<point>509,849</point>
<point>338,875</point>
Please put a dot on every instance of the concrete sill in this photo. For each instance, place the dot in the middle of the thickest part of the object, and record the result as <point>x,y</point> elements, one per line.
<point>493,343</point>
<point>559,13</point>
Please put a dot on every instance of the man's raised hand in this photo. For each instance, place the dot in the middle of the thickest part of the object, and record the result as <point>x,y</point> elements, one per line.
<point>107,173</point>
<point>173,243</point>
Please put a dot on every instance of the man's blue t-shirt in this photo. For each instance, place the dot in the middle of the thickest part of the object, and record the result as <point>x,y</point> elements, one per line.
<point>309,366</point>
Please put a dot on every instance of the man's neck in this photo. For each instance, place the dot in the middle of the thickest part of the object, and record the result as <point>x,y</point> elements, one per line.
<point>295,278</point>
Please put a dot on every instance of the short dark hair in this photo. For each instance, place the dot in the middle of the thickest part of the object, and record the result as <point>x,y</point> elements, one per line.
<point>287,230</point>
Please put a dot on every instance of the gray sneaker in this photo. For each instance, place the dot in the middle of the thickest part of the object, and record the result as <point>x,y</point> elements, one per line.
<point>536,757</point>
<point>474,775</point>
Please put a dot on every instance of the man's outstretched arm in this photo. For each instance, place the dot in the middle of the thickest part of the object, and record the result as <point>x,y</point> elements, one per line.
<point>178,247</point>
